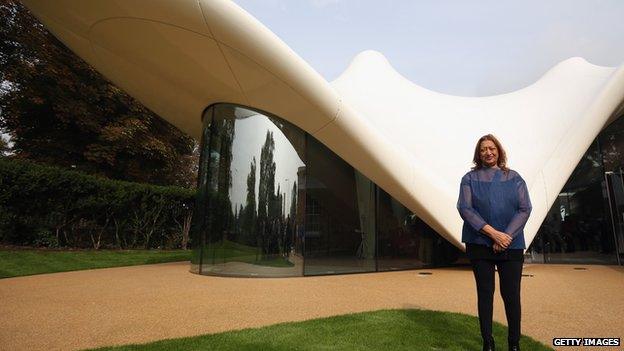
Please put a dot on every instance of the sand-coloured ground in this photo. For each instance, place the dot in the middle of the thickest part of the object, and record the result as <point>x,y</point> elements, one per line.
<point>84,309</point>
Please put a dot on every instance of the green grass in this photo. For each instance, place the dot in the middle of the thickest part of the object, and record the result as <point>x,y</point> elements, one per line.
<point>229,251</point>
<point>380,330</point>
<point>15,263</point>
<point>274,262</point>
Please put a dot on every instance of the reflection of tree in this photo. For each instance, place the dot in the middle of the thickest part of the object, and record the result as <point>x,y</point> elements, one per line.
<point>294,136</point>
<point>612,144</point>
<point>225,156</point>
<point>277,229</point>
<point>248,214</point>
<point>266,194</point>
<point>263,219</point>
<point>293,201</point>
<point>238,219</point>
<point>221,179</point>
<point>289,225</point>
<point>267,176</point>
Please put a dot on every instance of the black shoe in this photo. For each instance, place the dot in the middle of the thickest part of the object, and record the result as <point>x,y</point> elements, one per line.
<point>489,345</point>
<point>515,347</point>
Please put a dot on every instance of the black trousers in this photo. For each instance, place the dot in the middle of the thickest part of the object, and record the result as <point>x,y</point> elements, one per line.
<point>509,273</point>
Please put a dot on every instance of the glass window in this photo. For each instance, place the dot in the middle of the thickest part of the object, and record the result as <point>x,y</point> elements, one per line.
<point>400,240</point>
<point>577,227</point>
<point>270,194</point>
<point>340,218</point>
<point>248,194</point>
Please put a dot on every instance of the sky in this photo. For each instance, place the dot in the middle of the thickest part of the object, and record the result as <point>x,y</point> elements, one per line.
<point>466,48</point>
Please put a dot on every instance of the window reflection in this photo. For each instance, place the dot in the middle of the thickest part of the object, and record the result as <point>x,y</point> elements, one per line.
<point>579,227</point>
<point>251,194</point>
<point>340,217</point>
<point>268,193</point>
<point>401,241</point>
<point>404,241</point>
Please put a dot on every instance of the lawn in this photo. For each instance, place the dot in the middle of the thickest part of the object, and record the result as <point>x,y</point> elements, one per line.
<point>229,251</point>
<point>19,262</point>
<point>379,330</point>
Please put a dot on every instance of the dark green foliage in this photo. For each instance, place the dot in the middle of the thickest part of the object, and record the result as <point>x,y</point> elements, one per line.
<point>380,330</point>
<point>60,111</point>
<point>4,146</point>
<point>48,206</point>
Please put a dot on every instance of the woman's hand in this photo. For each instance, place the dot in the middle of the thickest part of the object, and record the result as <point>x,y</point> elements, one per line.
<point>502,239</point>
<point>497,248</point>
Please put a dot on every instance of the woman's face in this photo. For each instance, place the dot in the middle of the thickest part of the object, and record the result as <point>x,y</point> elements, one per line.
<point>488,153</point>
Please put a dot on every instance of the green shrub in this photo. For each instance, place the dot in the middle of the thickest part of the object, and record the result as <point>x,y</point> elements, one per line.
<point>48,206</point>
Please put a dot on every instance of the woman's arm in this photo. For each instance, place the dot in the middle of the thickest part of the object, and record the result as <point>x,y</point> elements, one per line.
<point>518,221</point>
<point>464,206</point>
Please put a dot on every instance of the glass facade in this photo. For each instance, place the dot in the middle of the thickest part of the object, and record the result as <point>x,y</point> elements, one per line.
<point>586,222</point>
<point>404,241</point>
<point>340,215</point>
<point>275,202</point>
<point>249,210</point>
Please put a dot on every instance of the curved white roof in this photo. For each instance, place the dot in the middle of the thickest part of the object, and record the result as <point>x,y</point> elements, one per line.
<point>178,57</point>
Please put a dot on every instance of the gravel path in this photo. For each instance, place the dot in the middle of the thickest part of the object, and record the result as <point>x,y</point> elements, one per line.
<point>103,307</point>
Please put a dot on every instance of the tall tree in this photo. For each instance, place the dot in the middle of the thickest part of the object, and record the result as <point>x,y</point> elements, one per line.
<point>266,195</point>
<point>60,111</point>
<point>293,201</point>
<point>266,191</point>
<point>223,139</point>
<point>248,225</point>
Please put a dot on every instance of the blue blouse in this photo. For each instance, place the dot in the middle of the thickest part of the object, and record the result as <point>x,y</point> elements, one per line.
<point>495,197</point>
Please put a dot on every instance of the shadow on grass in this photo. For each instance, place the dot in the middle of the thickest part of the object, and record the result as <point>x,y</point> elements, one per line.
<point>464,333</point>
<point>377,330</point>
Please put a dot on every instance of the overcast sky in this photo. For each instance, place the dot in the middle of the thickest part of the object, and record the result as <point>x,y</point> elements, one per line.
<point>469,48</point>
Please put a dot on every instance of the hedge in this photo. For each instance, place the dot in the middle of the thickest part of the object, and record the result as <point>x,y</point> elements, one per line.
<point>52,207</point>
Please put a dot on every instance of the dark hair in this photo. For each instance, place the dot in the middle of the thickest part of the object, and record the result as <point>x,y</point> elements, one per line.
<point>502,155</point>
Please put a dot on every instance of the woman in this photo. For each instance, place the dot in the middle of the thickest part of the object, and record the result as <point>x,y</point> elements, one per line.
<point>494,204</point>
